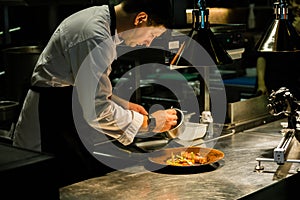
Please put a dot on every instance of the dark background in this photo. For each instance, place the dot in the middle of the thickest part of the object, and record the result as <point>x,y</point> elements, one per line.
<point>39,18</point>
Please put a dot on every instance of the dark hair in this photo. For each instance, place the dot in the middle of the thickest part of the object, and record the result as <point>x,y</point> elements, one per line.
<point>159,11</point>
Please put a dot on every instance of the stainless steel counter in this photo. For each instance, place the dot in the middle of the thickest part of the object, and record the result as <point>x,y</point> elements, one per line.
<point>234,177</point>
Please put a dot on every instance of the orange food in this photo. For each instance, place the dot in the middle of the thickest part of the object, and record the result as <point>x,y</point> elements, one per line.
<point>186,159</point>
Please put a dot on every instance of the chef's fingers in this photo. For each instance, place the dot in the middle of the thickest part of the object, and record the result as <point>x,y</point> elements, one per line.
<point>171,111</point>
<point>165,120</point>
<point>172,118</point>
<point>138,108</point>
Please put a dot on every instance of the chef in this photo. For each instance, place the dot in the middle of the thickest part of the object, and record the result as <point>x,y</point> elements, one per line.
<point>74,67</point>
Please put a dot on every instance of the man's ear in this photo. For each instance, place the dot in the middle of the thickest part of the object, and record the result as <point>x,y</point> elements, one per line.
<point>140,18</point>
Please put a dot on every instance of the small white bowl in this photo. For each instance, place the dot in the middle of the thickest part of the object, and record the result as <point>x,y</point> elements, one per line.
<point>193,131</point>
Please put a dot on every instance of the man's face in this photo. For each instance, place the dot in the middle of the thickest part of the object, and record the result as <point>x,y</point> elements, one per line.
<point>142,36</point>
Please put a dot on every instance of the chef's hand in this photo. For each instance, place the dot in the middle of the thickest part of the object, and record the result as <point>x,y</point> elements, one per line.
<point>165,120</point>
<point>138,108</point>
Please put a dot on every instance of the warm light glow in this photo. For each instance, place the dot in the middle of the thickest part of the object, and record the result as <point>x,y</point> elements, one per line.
<point>216,15</point>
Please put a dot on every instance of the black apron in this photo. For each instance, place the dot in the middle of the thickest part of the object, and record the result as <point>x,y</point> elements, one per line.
<point>59,136</point>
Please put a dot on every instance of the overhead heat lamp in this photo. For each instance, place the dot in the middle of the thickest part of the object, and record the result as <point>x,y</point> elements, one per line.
<point>280,36</point>
<point>202,34</point>
<point>189,52</point>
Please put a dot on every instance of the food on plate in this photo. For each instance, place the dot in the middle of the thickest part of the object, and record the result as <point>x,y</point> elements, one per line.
<point>186,159</point>
<point>191,156</point>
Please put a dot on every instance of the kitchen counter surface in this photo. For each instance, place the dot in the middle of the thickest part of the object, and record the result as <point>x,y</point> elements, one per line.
<point>233,177</point>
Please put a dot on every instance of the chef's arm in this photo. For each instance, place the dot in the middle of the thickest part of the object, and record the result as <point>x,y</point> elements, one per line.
<point>164,120</point>
<point>120,101</point>
<point>135,107</point>
<point>129,105</point>
<point>261,69</point>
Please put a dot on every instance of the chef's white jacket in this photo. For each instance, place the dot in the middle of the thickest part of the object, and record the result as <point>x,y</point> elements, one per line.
<point>80,53</point>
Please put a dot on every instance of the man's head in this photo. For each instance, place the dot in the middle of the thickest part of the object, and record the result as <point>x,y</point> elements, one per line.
<point>159,11</point>
<point>140,21</point>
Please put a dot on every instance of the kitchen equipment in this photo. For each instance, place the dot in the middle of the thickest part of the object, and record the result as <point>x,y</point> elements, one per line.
<point>8,110</point>
<point>248,113</point>
<point>206,118</point>
<point>283,102</point>
<point>19,63</point>
<point>8,117</point>
<point>202,33</point>
<point>281,36</point>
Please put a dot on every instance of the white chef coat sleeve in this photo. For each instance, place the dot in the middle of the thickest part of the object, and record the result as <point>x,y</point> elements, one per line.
<point>95,90</point>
